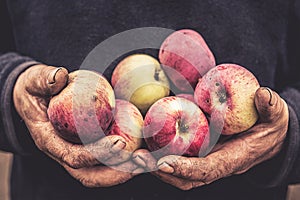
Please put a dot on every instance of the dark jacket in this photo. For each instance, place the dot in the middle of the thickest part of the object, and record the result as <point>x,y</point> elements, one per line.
<point>263,36</point>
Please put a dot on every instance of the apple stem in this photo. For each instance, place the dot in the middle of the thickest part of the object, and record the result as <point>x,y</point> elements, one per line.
<point>222,96</point>
<point>182,127</point>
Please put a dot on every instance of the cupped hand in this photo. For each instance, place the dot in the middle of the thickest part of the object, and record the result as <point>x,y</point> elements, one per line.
<point>32,92</point>
<point>105,176</point>
<point>232,156</point>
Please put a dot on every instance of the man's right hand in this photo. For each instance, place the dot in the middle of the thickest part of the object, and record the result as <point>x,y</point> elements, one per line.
<point>32,93</point>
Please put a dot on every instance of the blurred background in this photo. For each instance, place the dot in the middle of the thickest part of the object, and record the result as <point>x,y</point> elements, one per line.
<point>5,163</point>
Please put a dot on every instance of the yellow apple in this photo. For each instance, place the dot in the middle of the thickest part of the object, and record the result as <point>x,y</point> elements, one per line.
<point>140,79</point>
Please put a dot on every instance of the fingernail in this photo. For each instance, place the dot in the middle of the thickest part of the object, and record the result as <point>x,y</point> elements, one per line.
<point>118,146</point>
<point>165,167</point>
<point>51,77</point>
<point>138,160</point>
<point>272,99</point>
<point>138,171</point>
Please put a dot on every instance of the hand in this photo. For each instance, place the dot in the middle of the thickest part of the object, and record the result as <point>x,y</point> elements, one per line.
<point>32,93</point>
<point>232,156</point>
<point>104,176</point>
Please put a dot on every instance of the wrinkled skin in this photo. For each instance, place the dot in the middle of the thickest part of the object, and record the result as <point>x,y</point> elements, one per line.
<point>32,92</point>
<point>231,156</point>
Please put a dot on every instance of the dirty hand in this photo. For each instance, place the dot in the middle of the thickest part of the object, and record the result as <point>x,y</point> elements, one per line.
<point>233,156</point>
<point>31,95</point>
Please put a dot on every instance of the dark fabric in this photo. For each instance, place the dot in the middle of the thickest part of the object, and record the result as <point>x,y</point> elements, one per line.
<point>11,66</point>
<point>42,183</point>
<point>260,35</point>
<point>6,39</point>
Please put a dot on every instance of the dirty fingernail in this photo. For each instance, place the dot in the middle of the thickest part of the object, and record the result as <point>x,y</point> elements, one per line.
<point>51,77</point>
<point>272,99</point>
<point>165,167</point>
<point>138,160</point>
<point>118,146</point>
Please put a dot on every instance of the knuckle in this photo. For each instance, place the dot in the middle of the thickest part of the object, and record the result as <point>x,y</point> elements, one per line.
<point>204,176</point>
<point>71,160</point>
<point>208,179</point>
<point>41,144</point>
<point>183,168</point>
<point>215,175</point>
<point>213,172</point>
<point>186,172</point>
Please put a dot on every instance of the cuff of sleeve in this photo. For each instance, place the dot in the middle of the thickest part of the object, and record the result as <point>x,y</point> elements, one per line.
<point>17,136</point>
<point>277,171</point>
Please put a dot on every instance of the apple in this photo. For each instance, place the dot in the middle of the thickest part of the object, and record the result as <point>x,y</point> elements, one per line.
<point>174,125</point>
<point>140,79</point>
<point>83,110</point>
<point>185,57</point>
<point>226,93</point>
<point>128,123</point>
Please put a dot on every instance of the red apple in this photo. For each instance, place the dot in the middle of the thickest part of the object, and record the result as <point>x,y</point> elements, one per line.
<point>226,93</point>
<point>185,57</point>
<point>175,125</point>
<point>83,110</point>
<point>128,123</point>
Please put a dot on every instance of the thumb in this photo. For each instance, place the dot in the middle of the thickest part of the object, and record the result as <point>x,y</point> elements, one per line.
<point>43,80</point>
<point>268,104</point>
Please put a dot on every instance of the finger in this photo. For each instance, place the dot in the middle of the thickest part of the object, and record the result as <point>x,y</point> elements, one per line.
<point>181,183</point>
<point>184,167</point>
<point>268,104</point>
<point>103,176</point>
<point>79,156</point>
<point>232,158</point>
<point>145,159</point>
<point>42,80</point>
<point>126,153</point>
<point>120,157</point>
<point>74,155</point>
<point>129,167</point>
<point>107,149</point>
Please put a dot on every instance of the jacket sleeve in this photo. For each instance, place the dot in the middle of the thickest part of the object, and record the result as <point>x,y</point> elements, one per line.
<point>285,167</point>
<point>292,93</point>
<point>14,136</point>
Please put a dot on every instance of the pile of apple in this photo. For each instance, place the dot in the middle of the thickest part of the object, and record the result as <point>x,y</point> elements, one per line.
<point>208,99</point>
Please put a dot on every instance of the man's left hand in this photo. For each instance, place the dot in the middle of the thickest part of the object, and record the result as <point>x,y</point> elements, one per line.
<point>233,156</point>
